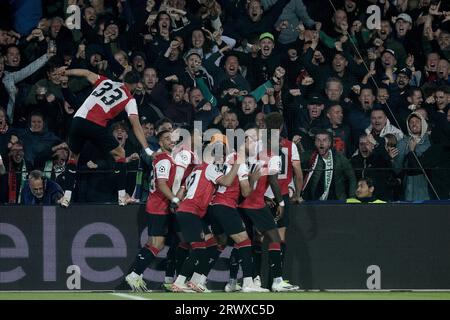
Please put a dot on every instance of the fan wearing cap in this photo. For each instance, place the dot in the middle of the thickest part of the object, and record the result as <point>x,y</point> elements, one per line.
<point>385,34</point>
<point>406,36</point>
<point>386,73</point>
<point>263,63</point>
<point>195,70</point>
<point>310,119</point>
<point>403,78</point>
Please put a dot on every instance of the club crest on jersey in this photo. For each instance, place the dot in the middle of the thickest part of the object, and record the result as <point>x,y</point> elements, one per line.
<point>162,169</point>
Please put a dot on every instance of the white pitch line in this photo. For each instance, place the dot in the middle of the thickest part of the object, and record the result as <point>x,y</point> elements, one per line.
<point>129,296</point>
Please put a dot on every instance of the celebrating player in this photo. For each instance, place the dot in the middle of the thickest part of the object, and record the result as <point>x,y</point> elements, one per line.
<point>158,203</point>
<point>290,166</point>
<point>227,221</point>
<point>201,185</point>
<point>255,209</point>
<point>107,100</point>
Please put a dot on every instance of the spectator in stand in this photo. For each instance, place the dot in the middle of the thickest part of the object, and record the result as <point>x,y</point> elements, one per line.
<point>309,121</point>
<point>374,161</point>
<point>328,172</point>
<point>40,142</point>
<point>365,192</point>
<point>15,175</point>
<point>415,184</point>
<point>41,191</point>
<point>380,126</point>
<point>341,131</point>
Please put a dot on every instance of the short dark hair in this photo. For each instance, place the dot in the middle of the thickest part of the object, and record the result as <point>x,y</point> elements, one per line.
<point>367,87</point>
<point>377,108</point>
<point>325,132</point>
<point>410,92</point>
<point>274,120</point>
<point>37,114</point>
<point>161,133</point>
<point>119,125</point>
<point>54,63</point>
<point>132,77</point>
<point>367,180</point>
<point>445,89</point>
<point>160,122</point>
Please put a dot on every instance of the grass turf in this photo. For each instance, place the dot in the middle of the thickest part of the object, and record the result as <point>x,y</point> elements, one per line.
<point>226,296</point>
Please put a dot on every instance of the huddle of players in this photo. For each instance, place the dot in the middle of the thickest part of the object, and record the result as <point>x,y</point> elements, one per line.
<point>192,199</point>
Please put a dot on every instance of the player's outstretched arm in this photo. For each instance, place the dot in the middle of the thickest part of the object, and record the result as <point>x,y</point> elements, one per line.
<point>228,179</point>
<point>89,75</point>
<point>139,133</point>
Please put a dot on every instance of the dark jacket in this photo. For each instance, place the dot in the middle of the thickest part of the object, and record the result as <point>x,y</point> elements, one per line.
<point>343,184</point>
<point>370,167</point>
<point>38,145</point>
<point>52,193</point>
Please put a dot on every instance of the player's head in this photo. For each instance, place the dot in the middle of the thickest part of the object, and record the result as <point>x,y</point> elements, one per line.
<point>218,148</point>
<point>165,140</point>
<point>131,79</point>
<point>274,121</point>
<point>251,140</point>
<point>163,124</point>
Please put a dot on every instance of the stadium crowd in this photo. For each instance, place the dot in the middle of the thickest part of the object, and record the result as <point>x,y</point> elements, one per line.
<point>373,91</point>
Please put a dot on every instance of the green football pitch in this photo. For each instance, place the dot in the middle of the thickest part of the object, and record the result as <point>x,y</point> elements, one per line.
<point>341,295</point>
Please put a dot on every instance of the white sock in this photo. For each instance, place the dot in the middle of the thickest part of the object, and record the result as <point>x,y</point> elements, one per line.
<point>196,278</point>
<point>247,282</point>
<point>168,279</point>
<point>121,193</point>
<point>277,280</point>
<point>134,274</point>
<point>180,280</point>
<point>68,194</point>
<point>232,281</point>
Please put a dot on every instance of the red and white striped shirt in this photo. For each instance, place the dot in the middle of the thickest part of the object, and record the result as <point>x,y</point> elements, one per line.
<point>106,102</point>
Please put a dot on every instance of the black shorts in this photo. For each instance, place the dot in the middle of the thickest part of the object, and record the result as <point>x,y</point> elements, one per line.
<point>262,219</point>
<point>191,227</point>
<point>284,221</point>
<point>83,130</point>
<point>158,225</point>
<point>225,220</point>
<point>207,221</point>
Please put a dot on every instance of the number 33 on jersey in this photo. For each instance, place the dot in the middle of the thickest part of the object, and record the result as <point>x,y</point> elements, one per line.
<point>108,99</point>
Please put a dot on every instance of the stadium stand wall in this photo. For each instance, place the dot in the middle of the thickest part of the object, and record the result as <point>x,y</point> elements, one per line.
<point>392,246</point>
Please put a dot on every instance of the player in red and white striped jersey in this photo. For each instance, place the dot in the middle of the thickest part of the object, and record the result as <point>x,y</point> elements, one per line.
<point>107,100</point>
<point>255,209</point>
<point>201,185</point>
<point>290,168</point>
<point>185,159</point>
<point>227,222</point>
<point>157,208</point>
